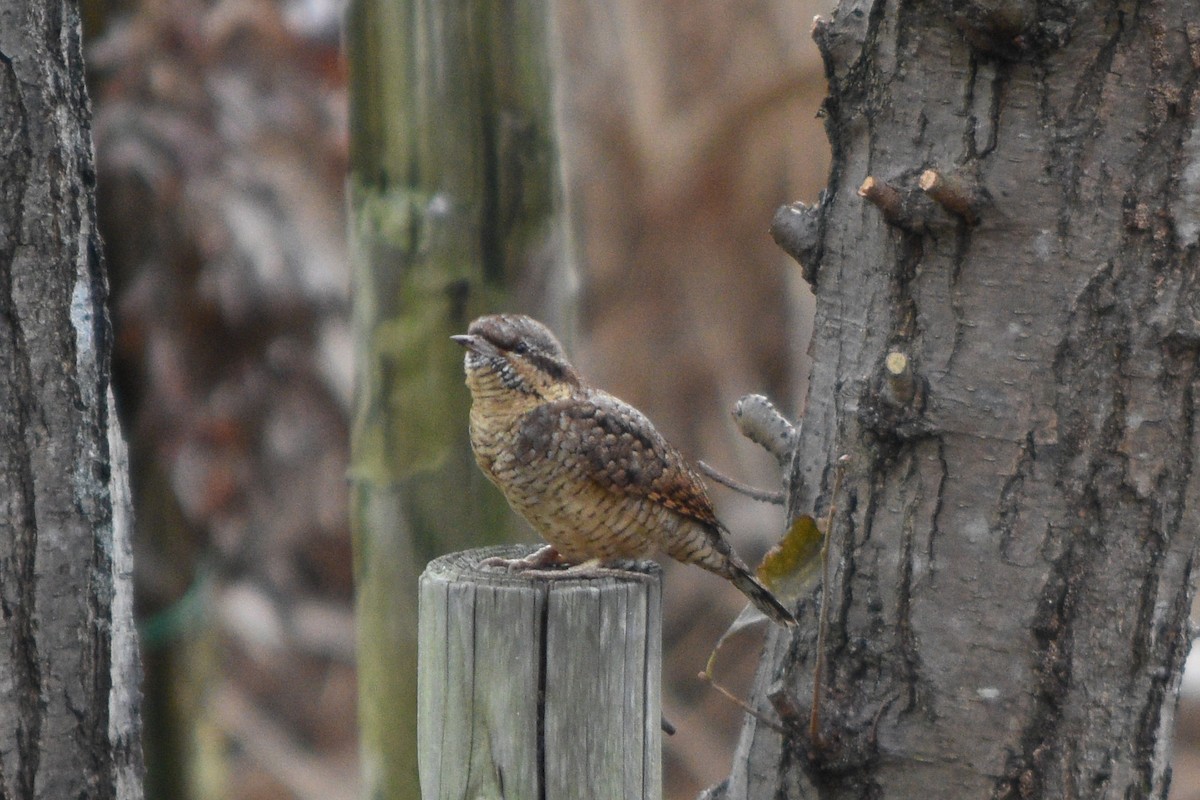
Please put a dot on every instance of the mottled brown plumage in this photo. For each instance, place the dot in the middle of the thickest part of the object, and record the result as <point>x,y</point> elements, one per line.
<point>589,471</point>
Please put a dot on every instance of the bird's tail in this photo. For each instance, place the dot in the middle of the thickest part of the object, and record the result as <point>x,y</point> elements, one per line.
<point>760,596</point>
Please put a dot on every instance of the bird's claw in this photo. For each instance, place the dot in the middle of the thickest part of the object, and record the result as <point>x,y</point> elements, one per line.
<point>542,558</point>
<point>549,563</point>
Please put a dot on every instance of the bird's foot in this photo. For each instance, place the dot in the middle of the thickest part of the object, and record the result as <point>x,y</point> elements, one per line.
<point>595,568</point>
<point>548,563</point>
<point>541,559</point>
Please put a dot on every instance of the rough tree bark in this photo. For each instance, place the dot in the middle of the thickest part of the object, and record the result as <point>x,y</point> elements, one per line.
<point>1014,548</point>
<point>68,660</point>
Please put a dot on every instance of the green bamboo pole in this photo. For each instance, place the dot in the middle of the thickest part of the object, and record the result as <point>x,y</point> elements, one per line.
<point>454,196</point>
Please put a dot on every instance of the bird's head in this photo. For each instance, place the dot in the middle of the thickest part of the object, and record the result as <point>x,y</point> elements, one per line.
<point>516,353</point>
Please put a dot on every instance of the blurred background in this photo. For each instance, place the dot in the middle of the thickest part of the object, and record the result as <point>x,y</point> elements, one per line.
<point>221,138</point>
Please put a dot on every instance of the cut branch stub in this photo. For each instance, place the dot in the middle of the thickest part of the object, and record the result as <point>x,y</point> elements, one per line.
<point>908,210</point>
<point>883,196</point>
<point>900,377</point>
<point>841,37</point>
<point>958,194</point>
<point>893,404</point>
<point>796,228</point>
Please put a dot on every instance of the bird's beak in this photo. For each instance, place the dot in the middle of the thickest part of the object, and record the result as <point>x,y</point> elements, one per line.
<point>475,344</point>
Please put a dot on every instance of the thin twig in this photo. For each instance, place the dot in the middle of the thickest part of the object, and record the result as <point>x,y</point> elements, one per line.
<point>742,704</point>
<point>709,676</point>
<point>761,495</point>
<point>823,623</point>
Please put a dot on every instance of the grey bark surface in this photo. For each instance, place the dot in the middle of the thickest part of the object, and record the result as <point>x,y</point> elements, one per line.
<point>68,692</point>
<point>538,688</point>
<point>1014,548</point>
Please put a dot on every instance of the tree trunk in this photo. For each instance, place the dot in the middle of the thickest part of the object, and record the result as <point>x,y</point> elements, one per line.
<point>68,696</point>
<point>1013,551</point>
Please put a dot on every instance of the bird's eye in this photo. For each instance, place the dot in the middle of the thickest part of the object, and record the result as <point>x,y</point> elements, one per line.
<point>521,348</point>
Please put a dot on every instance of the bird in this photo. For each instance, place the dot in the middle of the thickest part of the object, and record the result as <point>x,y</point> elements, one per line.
<point>589,472</point>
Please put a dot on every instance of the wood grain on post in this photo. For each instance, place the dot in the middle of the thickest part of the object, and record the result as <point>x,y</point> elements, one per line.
<point>538,688</point>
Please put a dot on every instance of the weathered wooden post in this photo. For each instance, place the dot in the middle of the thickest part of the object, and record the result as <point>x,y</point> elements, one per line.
<point>531,687</point>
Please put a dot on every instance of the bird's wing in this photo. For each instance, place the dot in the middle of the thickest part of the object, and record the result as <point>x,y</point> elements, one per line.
<point>614,445</point>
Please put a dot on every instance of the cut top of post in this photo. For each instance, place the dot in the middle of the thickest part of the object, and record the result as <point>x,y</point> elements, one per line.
<point>539,685</point>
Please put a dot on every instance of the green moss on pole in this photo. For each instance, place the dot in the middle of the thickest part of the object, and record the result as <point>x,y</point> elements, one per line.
<point>454,191</point>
